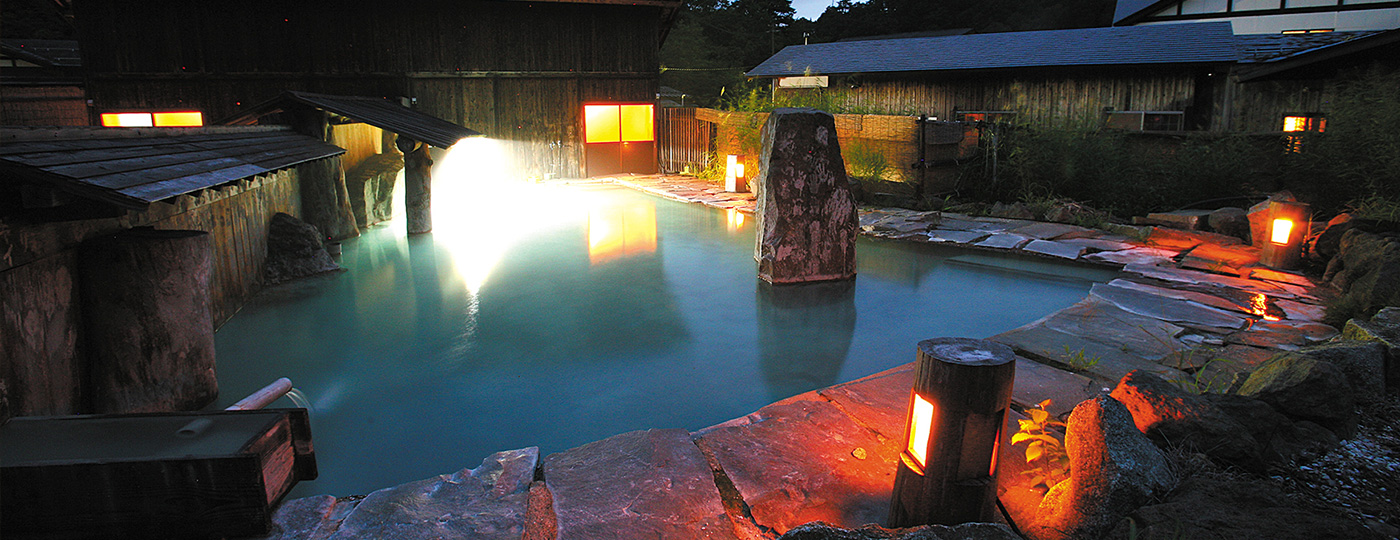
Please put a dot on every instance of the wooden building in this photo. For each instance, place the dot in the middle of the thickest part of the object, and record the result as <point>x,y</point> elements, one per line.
<point>519,71</point>
<point>41,83</point>
<point>1163,77</point>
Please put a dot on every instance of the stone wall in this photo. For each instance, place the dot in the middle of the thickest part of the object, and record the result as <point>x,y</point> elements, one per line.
<point>42,345</point>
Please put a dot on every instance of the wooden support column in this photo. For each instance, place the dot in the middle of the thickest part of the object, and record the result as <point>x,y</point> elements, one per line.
<point>150,333</point>
<point>947,470</point>
<point>418,179</point>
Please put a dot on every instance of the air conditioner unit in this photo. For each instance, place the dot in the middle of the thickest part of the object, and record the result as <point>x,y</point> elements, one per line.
<point>1147,120</point>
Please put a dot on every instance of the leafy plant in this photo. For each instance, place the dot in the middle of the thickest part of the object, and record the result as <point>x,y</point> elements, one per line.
<point>865,161</point>
<point>714,168</point>
<point>1204,380</point>
<point>1375,207</point>
<point>1045,452</point>
<point>1079,360</point>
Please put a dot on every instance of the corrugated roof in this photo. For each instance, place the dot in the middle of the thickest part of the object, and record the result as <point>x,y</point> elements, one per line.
<point>1274,55</point>
<point>377,112</point>
<point>1255,48</point>
<point>134,168</point>
<point>1189,43</point>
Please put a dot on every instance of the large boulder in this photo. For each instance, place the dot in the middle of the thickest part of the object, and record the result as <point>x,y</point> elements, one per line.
<point>1367,271</point>
<point>1170,415</point>
<point>1383,328</point>
<point>1282,441</point>
<point>817,530</point>
<point>806,215</point>
<point>1363,363</point>
<point>1230,221</point>
<point>294,250</point>
<point>1304,388</point>
<point>1329,241</point>
<point>1220,507</point>
<point>1114,469</point>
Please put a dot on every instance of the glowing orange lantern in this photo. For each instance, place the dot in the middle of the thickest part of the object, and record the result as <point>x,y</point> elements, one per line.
<point>734,179</point>
<point>946,475</point>
<point>1287,230</point>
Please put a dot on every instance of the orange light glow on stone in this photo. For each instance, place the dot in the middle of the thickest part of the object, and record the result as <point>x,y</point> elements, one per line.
<point>1282,229</point>
<point>920,427</point>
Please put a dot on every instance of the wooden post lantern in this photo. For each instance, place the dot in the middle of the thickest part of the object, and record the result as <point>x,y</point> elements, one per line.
<point>947,471</point>
<point>734,179</point>
<point>1287,227</point>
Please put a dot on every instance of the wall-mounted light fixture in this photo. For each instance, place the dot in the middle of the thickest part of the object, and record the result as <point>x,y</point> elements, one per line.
<point>1287,228</point>
<point>734,179</point>
<point>947,470</point>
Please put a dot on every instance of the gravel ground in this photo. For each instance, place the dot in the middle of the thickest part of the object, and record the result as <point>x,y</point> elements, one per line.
<point>1362,475</point>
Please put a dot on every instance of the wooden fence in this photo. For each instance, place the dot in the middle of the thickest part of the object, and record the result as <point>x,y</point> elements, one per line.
<point>683,142</point>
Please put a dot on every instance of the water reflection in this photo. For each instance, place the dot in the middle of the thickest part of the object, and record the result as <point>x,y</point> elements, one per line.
<point>621,230</point>
<point>804,334</point>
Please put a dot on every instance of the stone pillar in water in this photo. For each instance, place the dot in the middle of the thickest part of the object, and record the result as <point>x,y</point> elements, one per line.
<point>150,333</point>
<point>417,185</point>
<point>325,201</point>
<point>806,212</point>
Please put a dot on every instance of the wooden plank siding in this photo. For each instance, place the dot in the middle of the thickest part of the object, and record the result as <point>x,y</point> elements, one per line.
<point>1037,98</point>
<point>516,71</point>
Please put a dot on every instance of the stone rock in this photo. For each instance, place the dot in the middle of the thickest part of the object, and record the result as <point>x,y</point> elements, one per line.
<point>879,402</point>
<point>1384,328</point>
<point>1366,270</point>
<point>1114,469</point>
<point>1230,221</point>
<point>1036,382</point>
<point>966,531</point>
<point>641,484</point>
<point>1214,255</point>
<point>1193,220</point>
<point>1300,442</point>
<point>1259,218</point>
<point>1012,211</point>
<point>1140,256</point>
<point>294,250</point>
<point>1329,242</point>
<point>325,201</point>
<point>309,518</point>
<point>1054,249</point>
<point>371,187</point>
<point>1305,389</point>
<point>1170,415</point>
<point>1047,231</point>
<point>486,502</point>
<point>806,214</point>
<point>956,236</point>
<point>1041,342</point>
<point>1267,427</point>
<point>1233,508</point>
<point>801,460</point>
<point>1363,363</point>
<point>1004,241</point>
<point>1164,308</point>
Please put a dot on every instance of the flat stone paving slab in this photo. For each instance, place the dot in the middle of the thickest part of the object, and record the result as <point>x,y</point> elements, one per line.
<point>804,461</point>
<point>1098,244</point>
<point>1144,256</point>
<point>643,484</point>
<point>487,502</point>
<point>879,402</point>
<point>1039,342</point>
<point>1167,309</point>
<point>1004,241</point>
<point>1054,249</point>
<point>1098,320</point>
<point>955,236</point>
<point>1045,230</point>
<point>1182,294</point>
<point>1036,382</point>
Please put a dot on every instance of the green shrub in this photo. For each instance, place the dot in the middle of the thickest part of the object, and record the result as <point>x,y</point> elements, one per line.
<point>864,161</point>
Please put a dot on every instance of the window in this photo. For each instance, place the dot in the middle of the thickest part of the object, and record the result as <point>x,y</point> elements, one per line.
<point>617,123</point>
<point>1296,125</point>
<point>153,119</point>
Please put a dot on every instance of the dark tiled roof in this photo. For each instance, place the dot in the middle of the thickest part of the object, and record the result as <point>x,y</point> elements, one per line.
<point>132,168</point>
<point>1274,47</point>
<point>377,112</point>
<point>1190,43</point>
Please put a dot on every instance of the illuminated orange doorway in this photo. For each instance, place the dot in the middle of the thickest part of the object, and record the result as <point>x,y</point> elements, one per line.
<point>619,138</point>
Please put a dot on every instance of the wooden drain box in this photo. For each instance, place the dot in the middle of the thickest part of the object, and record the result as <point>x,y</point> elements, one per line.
<point>151,475</point>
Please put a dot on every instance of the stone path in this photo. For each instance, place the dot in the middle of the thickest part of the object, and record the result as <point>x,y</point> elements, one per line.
<point>1191,306</point>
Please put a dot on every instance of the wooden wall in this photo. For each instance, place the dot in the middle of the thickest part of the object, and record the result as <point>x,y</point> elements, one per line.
<point>42,358</point>
<point>517,71</point>
<point>1260,106</point>
<point>1039,98</point>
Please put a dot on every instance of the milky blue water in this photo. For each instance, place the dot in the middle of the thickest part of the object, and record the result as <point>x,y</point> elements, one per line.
<point>560,328</point>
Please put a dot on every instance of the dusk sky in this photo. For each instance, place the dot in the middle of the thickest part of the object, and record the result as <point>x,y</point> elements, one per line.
<point>811,9</point>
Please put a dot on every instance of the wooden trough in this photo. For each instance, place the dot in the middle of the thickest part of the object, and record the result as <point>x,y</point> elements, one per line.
<point>151,475</point>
